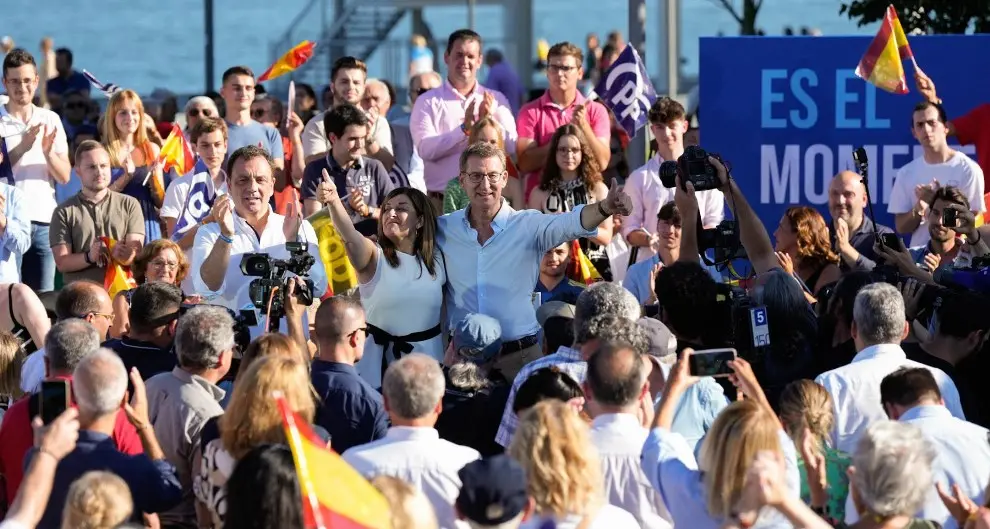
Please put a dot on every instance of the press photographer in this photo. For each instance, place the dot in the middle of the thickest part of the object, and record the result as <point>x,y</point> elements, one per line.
<point>246,224</point>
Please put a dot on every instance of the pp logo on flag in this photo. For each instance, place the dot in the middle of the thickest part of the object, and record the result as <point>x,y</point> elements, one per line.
<point>630,97</point>
<point>197,207</point>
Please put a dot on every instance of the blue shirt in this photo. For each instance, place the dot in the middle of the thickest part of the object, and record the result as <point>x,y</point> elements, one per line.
<point>697,408</point>
<point>154,485</point>
<point>637,278</point>
<point>16,237</point>
<point>254,133</point>
<point>503,78</point>
<point>349,408</point>
<point>75,81</point>
<point>566,286</point>
<point>495,279</point>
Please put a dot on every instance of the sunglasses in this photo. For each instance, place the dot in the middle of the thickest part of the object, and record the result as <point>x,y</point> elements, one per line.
<point>422,91</point>
<point>195,113</point>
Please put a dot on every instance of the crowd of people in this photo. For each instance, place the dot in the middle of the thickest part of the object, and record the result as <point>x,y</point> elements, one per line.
<point>527,342</point>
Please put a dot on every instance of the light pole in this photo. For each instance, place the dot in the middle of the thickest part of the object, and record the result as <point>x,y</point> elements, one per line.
<point>208,24</point>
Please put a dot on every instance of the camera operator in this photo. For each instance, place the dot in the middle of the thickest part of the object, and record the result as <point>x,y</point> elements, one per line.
<point>247,224</point>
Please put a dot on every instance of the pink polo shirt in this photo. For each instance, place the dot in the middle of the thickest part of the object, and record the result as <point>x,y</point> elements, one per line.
<point>539,119</point>
<point>435,125</point>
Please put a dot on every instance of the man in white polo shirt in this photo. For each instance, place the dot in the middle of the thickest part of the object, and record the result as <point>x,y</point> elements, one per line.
<point>39,158</point>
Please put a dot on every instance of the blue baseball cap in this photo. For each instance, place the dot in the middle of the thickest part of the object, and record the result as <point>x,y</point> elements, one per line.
<point>478,338</point>
<point>493,490</point>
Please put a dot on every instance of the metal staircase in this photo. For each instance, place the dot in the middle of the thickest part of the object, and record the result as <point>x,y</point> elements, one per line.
<point>357,30</point>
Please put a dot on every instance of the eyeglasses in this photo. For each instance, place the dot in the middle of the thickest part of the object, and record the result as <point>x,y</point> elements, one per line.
<point>195,112</point>
<point>477,178</point>
<point>568,150</point>
<point>158,263</point>
<point>562,68</point>
<point>109,316</point>
<point>359,329</point>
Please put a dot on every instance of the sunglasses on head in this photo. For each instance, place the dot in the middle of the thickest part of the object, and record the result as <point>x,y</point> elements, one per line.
<point>194,113</point>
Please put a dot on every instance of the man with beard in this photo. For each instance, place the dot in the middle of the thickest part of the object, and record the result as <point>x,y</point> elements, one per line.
<point>553,274</point>
<point>79,224</point>
<point>852,231</point>
<point>944,245</point>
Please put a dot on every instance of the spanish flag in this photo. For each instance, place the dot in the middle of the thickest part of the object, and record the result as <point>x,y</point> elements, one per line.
<point>334,495</point>
<point>343,277</point>
<point>582,269</point>
<point>118,278</point>
<point>292,59</point>
<point>177,153</point>
<point>881,64</point>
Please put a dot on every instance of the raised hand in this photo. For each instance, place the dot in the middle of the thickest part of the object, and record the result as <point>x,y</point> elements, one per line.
<point>785,262</point>
<point>469,112</point>
<point>957,503</point>
<point>487,106</point>
<point>326,192</point>
<point>225,216</point>
<point>295,125</point>
<point>137,408</point>
<point>128,162</point>
<point>617,201</point>
<point>356,199</point>
<point>926,192</point>
<point>292,223</point>
<point>841,233</point>
<point>58,438</point>
<point>48,139</point>
<point>580,115</point>
<point>925,85</point>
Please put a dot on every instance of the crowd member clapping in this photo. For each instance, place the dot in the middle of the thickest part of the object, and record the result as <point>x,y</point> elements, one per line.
<point>161,260</point>
<point>803,248</point>
<point>852,230</point>
<point>563,472</point>
<point>702,492</point>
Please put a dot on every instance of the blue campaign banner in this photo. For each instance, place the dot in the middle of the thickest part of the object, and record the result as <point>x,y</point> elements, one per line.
<point>787,112</point>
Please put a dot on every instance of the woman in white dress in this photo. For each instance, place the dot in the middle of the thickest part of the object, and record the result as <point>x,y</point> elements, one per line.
<point>400,278</point>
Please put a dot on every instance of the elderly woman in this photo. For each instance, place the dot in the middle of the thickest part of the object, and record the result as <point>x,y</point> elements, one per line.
<point>890,477</point>
<point>563,471</point>
<point>702,493</point>
<point>197,108</point>
<point>161,260</point>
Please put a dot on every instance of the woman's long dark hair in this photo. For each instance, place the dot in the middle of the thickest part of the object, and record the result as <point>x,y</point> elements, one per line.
<point>588,170</point>
<point>264,491</point>
<point>424,243</point>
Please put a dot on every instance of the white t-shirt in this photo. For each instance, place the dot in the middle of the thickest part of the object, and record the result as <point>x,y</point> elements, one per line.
<point>172,205</point>
<point>314,136</point>
<point>959,171</point>
<point>31,172</point>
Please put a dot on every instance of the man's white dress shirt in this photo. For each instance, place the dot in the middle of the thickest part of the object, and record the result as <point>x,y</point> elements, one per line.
<point>855,390</point>
<point>234,292</point>
<point>619,439</point>
<point>422,459</point>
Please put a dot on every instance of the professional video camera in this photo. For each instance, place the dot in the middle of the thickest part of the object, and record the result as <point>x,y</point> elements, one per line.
<point>693,166</point>
<point>271,277</point>
<point>748,324</point>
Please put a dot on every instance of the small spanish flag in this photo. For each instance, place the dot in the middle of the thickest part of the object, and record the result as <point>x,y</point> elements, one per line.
<point>292,59</point>
<point>881,64</point>
<point>177,153</point>
<point>334,495</point>
<point>582,269</point>
<point>118,278</point>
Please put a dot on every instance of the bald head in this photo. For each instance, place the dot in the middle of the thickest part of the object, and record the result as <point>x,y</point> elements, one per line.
<point>847,199</point>
<point>78,299</point>
<point>99,383</point>
<point>337,317</point>
<point>616,377</point>
<point>376,95</point>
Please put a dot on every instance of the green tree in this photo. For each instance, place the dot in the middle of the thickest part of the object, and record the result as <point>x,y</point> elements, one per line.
<point>926,16</point>
<point>747,16</point>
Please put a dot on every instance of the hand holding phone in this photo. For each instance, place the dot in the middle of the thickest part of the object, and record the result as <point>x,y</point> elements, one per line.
<point>712,362</point>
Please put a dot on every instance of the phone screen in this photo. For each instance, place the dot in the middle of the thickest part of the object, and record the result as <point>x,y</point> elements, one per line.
<point>54,399</point>
<point>712,362</point>
<point>890,240</point>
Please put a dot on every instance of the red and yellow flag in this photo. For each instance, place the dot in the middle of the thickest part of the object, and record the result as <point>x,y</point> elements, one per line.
<point>881,64</point>
<point>118,278</point>
<point>582,269</point>
<point>334,495</point>
<point>177,153</point>
<point>292,59</point>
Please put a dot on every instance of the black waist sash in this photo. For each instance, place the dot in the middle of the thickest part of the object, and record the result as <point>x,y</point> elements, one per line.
<point>401,345</point>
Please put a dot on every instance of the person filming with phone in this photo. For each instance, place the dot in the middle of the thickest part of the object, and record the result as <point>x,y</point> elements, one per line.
<point>945,246</point>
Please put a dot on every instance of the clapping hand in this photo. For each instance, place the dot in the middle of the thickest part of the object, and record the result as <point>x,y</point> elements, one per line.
<point>617,201</point>
<point>48,140</point>
<point>925,193</point>
<point>580,115</point>
<point>842,233</point>
<point>224,215</point>
<point>487,106</point>
<point>469,112</point>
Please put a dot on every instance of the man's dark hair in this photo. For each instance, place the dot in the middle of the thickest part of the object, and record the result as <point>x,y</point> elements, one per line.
<point>666,110</point>
<point>961,313</point>
<point>952,195</point>
<point>338,118</point>
<point>236,70</point>
<point>616,376</point>
<point>67,53</point>
<point>544,384</point>
<point>670,213</point>
<point>558,332</point>
<point>154,305</point>
<point>925,105</point>
<point>246,153</point>
<point>16,58</point>
<point>687,297</point>
<point>462,34</point>
<point>78,299</point>
<point>347,63</point>
<point>87,146</point>
<point>265,486</point>
<point>908,386</point>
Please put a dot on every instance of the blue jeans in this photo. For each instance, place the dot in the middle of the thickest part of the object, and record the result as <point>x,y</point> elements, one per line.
<point>38,264</point>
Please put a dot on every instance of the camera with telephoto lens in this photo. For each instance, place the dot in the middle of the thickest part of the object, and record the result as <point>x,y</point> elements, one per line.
<point>748,328</point>
<point>271,274</point>
<point>724,239</point>
<point>692,166</point>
